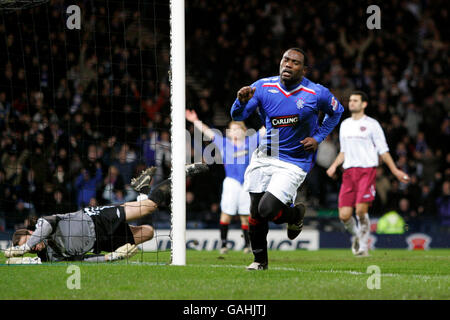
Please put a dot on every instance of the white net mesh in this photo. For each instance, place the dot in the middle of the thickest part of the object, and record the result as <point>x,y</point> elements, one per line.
<point>83,110</point>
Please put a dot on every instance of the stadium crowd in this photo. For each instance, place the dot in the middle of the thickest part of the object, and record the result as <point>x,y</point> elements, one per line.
<point>81,112</point>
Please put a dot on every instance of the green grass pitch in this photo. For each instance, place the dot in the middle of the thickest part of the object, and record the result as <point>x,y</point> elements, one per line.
<point>292,275</point>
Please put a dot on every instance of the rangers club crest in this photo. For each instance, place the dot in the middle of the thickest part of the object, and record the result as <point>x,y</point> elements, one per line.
<point>362,129</point>
<point>300,103</point>
<point>418,241</point>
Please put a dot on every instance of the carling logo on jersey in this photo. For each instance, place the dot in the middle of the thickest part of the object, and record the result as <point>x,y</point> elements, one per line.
<point>334,103</point>
<point>284,121</point>
<point>418,241</point>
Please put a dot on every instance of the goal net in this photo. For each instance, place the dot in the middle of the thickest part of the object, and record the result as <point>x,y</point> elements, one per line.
<point>85,106</point>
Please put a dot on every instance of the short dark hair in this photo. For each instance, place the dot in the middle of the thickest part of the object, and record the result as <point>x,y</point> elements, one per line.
<point>362,94</point>
<point>18,234</point>
<point>305,58</point>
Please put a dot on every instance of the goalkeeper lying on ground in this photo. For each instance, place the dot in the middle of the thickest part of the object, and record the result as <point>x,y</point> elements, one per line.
<point>70,236</point>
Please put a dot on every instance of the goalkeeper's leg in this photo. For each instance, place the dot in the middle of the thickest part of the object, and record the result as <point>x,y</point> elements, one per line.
<point>142,233</point>
<point>159,193</point>
<point>138,209</point>
<point>146,204</point>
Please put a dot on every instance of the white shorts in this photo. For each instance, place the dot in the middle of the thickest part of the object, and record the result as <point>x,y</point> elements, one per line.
<point>280,178</point>
<point>235,200</point>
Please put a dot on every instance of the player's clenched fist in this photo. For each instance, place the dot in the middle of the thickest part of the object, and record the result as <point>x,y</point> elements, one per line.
<point>245,94</point>
<point>310,144</point>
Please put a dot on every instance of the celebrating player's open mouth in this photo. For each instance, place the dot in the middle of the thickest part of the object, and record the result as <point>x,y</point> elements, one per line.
<point>286,73</point>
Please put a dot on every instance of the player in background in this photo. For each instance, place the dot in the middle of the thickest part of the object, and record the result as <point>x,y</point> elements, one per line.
<point>362,140</point>
<point>290,105</point>
<point>236,150</point>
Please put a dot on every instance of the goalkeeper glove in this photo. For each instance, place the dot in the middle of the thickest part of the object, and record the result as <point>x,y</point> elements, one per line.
<point>125,251</point>
<point>17,251</point>
<point>24,260</point>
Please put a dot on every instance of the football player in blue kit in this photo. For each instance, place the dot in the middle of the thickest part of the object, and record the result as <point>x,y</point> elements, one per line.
<point>289,104</point>
<point>235,148</point>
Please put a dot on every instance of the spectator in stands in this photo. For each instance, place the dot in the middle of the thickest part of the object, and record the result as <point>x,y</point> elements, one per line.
<point>126,162</point>
<point>18,216</point>
<point>443,206</point>
<point>383,186</point>
<point>317,178</point>
<point>408,214</point>
<point>430,164</point>
<point>163,156</point>
<point>87,183</point>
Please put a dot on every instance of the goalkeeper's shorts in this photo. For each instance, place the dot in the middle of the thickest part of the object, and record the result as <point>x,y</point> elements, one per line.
<point>111,229</point>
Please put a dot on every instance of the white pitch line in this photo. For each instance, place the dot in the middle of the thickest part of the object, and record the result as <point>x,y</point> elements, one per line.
<point>334,271</point>
<point>357,273</point>
<point>296,269</point>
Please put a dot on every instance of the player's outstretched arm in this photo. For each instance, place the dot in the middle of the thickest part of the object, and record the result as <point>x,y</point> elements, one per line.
<point>336,163</point>
<point>44,228</point>
<point>399,174</point>
<point>17,251</point>
<point>191,116</point>
<point>124,252</point>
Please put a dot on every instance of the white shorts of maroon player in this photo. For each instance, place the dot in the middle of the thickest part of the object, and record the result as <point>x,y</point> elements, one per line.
<point>358,186</point>
<point>280,178</point>
<point>235,200</point>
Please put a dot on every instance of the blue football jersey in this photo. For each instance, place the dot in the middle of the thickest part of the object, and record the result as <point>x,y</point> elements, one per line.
<point>236,158</point>
<point>291,115</point>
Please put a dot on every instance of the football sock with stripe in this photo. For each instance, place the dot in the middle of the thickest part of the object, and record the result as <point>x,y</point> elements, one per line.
<point>246,236</point>
<point>223,233</point>
<point>258,230</point>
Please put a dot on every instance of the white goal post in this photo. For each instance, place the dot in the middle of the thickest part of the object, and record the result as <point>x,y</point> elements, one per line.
<point>178,132</point>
